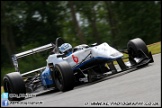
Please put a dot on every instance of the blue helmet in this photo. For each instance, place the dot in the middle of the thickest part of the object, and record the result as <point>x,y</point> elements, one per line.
<point>66,48</point>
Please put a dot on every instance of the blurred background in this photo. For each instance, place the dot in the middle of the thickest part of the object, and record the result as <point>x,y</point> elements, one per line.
<point>29,24</point>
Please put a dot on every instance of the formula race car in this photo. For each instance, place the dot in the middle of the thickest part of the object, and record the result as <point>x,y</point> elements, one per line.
<point>68,66</point>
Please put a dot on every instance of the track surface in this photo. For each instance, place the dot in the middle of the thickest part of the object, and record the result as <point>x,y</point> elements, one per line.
<point>141,87</point>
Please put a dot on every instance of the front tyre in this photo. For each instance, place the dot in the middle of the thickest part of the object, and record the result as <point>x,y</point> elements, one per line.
<point>13,84</point>
<point>137,49</point>
<point>63,76</point>
<point>135,46</point>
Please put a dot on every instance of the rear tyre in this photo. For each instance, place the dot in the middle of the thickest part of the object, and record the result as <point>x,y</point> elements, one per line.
<point>13,84</point>
<point>63,76</point>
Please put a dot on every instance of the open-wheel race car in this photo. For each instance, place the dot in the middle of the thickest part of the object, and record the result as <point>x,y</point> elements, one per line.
<point>68,66</point>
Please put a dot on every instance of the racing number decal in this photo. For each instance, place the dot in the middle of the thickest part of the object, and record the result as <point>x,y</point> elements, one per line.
<point>75,58</point>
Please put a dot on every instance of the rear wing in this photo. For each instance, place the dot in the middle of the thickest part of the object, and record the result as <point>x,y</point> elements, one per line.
<point>15,57</point>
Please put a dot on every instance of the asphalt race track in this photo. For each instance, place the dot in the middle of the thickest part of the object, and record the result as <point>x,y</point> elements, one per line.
<point>141,87</point>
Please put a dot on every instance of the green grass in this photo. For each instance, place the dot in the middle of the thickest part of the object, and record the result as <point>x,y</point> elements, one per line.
<point>155,48</point>
<point>2,90</point>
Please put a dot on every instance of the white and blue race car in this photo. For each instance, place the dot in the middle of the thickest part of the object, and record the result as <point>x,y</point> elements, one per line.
<point>66,66</point>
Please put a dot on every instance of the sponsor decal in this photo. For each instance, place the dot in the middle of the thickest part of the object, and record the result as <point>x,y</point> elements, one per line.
<point>75,58</point>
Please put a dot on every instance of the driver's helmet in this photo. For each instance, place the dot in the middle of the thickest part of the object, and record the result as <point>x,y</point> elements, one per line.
<point>66,48</point>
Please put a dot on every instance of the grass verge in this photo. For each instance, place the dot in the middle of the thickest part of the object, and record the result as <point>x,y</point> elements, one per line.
<point>2,90</point>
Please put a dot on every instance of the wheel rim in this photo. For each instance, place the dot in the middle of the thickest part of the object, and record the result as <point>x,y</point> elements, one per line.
<point>132,53</point>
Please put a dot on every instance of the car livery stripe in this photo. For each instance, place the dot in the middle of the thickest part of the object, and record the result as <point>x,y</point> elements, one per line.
<point>92,59</point>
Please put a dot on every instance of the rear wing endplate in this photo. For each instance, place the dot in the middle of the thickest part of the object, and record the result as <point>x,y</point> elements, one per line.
<point>15,57</point>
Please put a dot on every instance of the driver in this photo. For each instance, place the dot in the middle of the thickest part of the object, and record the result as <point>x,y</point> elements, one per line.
<point>66,48</point>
